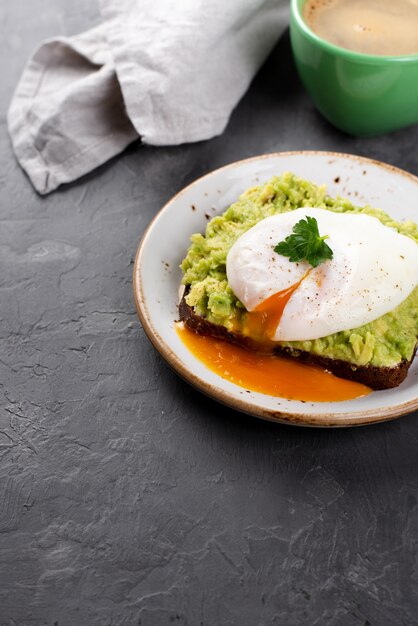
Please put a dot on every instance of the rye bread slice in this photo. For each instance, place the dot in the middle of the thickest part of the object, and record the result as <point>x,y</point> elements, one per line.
<point>374,377</point>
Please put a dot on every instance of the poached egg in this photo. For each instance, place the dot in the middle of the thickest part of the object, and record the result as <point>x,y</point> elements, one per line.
<point>374,268</point>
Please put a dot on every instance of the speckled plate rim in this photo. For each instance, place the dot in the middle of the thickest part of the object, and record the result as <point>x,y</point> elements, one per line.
<point>322,420</point>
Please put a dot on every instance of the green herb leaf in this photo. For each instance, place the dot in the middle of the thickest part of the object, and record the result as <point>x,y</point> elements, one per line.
<point>305,243</point>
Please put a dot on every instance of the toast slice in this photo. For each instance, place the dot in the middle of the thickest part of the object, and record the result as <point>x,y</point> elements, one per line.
<point>378,354</point>
<point>370,375</point>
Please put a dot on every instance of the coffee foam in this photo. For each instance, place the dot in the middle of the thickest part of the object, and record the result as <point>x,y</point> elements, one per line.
<point>381,27</point>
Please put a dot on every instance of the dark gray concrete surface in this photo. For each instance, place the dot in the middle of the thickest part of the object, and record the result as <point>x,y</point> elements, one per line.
<point>126,497</point>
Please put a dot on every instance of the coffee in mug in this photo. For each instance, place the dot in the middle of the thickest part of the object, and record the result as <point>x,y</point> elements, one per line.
<point>381,27</point>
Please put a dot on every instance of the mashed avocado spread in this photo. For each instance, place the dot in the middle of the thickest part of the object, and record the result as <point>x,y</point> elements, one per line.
<point>384,342</point>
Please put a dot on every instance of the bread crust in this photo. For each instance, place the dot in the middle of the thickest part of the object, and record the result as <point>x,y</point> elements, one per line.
<point>374,377</point>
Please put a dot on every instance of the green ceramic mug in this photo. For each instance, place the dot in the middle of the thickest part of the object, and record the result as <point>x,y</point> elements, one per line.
<point>361,94</point>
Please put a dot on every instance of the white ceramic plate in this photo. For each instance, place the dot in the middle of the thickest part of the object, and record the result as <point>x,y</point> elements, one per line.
<point>157,275</point>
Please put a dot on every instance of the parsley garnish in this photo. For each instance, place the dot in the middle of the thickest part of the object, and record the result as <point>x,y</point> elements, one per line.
<point>305,243</point>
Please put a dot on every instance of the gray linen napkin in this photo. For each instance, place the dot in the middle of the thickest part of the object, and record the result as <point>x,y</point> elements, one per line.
<point>167,71</point>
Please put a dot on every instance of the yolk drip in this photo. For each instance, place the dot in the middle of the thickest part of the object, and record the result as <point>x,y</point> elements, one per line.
<point>263,321</point>
<point>269,374</point>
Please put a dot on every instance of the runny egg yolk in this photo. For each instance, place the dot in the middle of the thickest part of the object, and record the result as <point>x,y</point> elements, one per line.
<point>264,319</point>
<point>267,373</point>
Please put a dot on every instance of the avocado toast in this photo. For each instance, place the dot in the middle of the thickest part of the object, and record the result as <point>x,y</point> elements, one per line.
<point>377,354</point>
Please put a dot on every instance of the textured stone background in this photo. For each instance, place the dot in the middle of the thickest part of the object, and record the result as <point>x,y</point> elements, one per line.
<point>126,497</point>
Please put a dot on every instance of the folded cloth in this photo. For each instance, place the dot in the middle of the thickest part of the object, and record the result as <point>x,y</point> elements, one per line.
<point>166,71</point>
